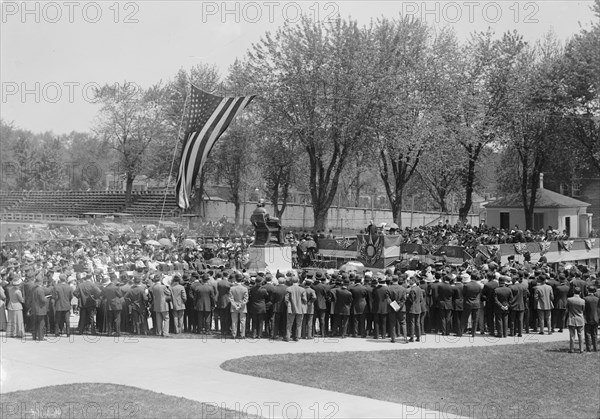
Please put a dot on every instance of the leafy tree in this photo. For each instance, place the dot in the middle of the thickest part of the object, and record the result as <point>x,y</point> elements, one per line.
<point>130,120</point>
<point>317,85</point>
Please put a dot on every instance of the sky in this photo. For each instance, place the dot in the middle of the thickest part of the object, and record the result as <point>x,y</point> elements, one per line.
<point>52,54</point>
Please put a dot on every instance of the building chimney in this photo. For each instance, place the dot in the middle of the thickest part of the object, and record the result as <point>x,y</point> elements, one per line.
<point>541,181</point>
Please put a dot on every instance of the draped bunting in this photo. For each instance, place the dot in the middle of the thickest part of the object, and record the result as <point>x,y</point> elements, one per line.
<point>368,250</point>
<point>544,247</point>
<point>565,244</point>
<point>520,248</point>
<point>345,242</point>
<point>589,243</point>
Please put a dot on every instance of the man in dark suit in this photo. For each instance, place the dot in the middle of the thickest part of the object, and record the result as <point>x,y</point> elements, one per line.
<point>471,302</point>
<point>381,299</point>
<point>137,297</point>
<point>223,305</point>
<point>488,301</point>
<point>560,303</point>
<point>269,287</point>
<point>342,302</point>
<point>414,304</point>
<point>113,295</point>
<point>321,291</point>
<point>457,305</point>
<point>279,309</point>
<point>502,298</point>
<point>444,295</point>
<point>435,320</point>
<point>359,304</point>
<point>205,299</point>
<point>591,319</point>
<point>516,307</point>
<point>62,295</point>
<point>397,319</point>
<point>39,309</point>
<point>257,307</point>
<point>87,292</point>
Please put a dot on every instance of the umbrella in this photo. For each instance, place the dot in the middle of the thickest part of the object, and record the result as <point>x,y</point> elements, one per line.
<point>308,244</point>
<point>152,243</point>
<point>352,266</point>
<point>189,243</point>
<point>165,242</point>
<point>382,225</point>
<point>215,262</point>
<point>394,226</point>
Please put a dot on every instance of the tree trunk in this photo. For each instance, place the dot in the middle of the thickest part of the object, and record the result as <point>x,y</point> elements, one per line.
<point>320,216</point>
<point>237,212</point>
<point>464,210</point>
<point>129,188</point>
<point>397,208</point>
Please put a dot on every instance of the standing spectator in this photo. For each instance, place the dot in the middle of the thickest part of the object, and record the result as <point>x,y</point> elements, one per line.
<point>136,298</point>
<point>223,305</point>
<point>502,298</point>
<point>543,302</point>
<point>62,295</point>
<point>414,307</point>
<point>359,305</point>
<point>257,307</point>
<point>445,292</point>
<point>591,319</point>
<point>342,306</point>
<point>576,308</point>
<point>238,296</point>
<point>307,320</point>
<point>295,299</point>
<point>204,296</point>
<point>381,299</point>
<point>279,309</point>
<point>179,300</point>
<point>560,303</point>
<point>16,326</point>
<point>87,292</point>
<point>39,309</point>
<point>516,307</point>
<point>487,297</point>
<point>161,299</point>
<point>113,296</point>
<point>471,303</point>
<point>321,291</point>
<point>457,305</point>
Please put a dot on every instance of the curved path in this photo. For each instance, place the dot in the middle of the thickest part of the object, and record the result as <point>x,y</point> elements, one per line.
<point>190,368</point>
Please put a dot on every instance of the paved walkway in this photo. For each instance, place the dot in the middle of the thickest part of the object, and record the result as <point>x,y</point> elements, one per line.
<point>190,368</point>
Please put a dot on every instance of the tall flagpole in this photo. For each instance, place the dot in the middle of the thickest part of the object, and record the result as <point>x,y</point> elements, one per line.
<point>174,153</point>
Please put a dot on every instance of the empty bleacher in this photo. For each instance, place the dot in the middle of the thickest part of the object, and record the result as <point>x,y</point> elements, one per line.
<point>76,203</point>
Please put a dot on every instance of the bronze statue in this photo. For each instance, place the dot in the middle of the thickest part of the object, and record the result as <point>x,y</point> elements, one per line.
<point>267,229</point>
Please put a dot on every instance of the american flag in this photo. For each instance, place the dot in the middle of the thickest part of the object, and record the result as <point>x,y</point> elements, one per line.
<point>208,117</point>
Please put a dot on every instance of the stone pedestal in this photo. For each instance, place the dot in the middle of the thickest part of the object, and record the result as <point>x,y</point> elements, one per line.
<point>275,257</point>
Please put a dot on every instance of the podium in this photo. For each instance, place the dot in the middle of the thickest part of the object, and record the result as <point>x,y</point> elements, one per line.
<point>276,258</point>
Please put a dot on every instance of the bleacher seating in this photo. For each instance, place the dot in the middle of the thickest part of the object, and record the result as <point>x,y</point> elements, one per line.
<point>76,203</point>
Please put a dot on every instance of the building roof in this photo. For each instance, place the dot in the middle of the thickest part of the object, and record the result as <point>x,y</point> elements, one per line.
<point>544,199</point>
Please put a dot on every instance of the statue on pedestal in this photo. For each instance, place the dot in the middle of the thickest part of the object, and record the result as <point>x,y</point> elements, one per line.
<point>267,229</point>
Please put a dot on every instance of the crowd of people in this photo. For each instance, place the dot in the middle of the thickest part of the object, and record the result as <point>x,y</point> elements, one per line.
<point>130,288</point>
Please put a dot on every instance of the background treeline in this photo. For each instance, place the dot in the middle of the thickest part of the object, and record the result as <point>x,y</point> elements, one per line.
<point>345,111</point>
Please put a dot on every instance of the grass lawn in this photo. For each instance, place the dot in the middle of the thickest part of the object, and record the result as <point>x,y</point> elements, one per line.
<point>512,381</point>
<point>95,400</point>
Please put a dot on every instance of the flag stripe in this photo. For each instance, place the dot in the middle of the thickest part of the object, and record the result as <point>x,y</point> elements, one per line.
<point>209,117</point>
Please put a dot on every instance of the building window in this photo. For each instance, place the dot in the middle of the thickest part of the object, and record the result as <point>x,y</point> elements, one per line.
<point>576,188</point>
<point>505,220</point>
<point>538,221</point>
<point>564,189</point>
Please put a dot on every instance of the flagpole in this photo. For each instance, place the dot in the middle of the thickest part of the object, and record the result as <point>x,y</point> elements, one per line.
<point>174,153</point>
